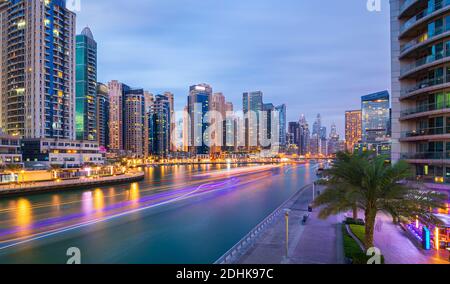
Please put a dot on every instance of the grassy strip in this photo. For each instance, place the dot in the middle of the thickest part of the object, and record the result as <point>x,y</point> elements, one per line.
<point>359,231</point>
<point>351,247</point>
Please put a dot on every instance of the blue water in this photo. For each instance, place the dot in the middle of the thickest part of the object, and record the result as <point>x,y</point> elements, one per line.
<point>196,229</point>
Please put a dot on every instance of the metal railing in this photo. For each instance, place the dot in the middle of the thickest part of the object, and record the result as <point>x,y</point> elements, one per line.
<point>426,132</point>
<point>246,242</point>
<point>423,61</point>
<point>406,5</point>
<point>422,14</point>
<point>425,84</point>
<point>426,156</point>
<point>422,38</point>
<point>425,108</point>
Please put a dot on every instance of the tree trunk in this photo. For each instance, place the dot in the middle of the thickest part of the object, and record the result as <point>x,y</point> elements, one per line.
<point>370,218</point>
<point>355,212</point>
<point>395,219</point>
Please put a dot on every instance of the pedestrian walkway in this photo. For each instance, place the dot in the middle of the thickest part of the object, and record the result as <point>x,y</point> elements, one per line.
<point>398,248</point>
<point>318,241</point>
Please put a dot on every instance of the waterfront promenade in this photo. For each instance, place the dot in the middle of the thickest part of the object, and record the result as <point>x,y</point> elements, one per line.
<point>316,242</point>
<point>27,188</point>
<point>398,248</point>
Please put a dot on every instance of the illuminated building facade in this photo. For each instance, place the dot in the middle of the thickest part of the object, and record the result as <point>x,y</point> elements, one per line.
<point>199,104</point>
<point>420,50</point>
<point>37,69</point>
<point>353,129</point>
<point>86,86</point>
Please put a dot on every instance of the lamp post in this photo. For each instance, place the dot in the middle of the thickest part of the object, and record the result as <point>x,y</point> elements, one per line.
<point>314,190</point>
<point>286,216</point>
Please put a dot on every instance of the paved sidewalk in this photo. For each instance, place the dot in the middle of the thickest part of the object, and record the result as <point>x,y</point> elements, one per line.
<point>398,248</point>
<point>319,241</point>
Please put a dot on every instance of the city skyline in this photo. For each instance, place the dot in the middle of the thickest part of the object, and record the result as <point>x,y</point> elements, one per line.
<point>207,57</point>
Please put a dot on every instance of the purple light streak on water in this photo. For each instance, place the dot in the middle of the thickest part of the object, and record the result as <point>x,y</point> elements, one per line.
<point>143,200</point>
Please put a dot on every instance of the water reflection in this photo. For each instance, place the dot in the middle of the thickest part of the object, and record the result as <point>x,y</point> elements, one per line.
<point>99,200</point>
<point>226,186</point>
<point>23,215</point>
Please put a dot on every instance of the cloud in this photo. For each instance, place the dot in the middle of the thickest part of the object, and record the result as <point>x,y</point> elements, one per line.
<point>315,56</point>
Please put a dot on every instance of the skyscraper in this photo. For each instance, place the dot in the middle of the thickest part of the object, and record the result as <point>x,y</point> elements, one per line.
<point>116,111</point>
<point>317,125</point>
<point>86,86</point>
<point>281,109</point>
<point>103,115</point>
<point>333,140</point>
<point>252,107</point>
<point>149,100</point>
<point>38,69</point>
<point>353,129</point>
<point>304,136</point>
<point>159,124</point>
<point>265,126</point>
<point>199,104</point>
<point>218,119</point>
<point>134,122</point>
<point>376,117</point>
<point>170,97</point>
<point>420,78</point>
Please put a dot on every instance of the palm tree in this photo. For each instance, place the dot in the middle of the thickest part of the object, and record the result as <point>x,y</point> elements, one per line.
<point>372,185</point>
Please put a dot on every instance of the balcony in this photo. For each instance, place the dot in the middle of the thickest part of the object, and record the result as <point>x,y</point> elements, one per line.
<point>426,132</point>
<point>440,57</point>
<point>423,39</point>
<point>423,14</point>
<point>407,4</point>
<point>424,85</point>
<point>426,156</point>
<point>422,109</point>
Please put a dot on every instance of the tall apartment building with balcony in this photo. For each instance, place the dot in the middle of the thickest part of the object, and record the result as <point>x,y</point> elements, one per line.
<point>420,45</point>
<point>37,69</point>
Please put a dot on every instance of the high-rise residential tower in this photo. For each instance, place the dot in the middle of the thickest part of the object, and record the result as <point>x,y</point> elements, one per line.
<point>37,69</point>
<point>420,50</point>
<point>304,142</point>
<point>159,124</point>
<point>103,115</point>
<point>252,107</point>
<point>219,111</point>
<point>199,105</point>
<point>86,86</point>
<point>116,112</point>
<point>172,127</point>
<point>282,125</point>
<point>353,129</point>
<point>134,122</point>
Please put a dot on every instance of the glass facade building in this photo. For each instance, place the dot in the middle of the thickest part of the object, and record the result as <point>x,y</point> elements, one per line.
<point>376,117</point>
<point>86,86</point>
<point>252,103</point>
<point>103,115</point>
<point>199,104</point>
<point>281,109</point>
<point>159,126</point>
<point>353,129</point>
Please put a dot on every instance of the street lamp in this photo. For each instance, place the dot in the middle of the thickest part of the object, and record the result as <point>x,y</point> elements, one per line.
<point>286,216</point>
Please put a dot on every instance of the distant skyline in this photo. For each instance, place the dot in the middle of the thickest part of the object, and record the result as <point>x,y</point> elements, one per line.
<point>301,53</point>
